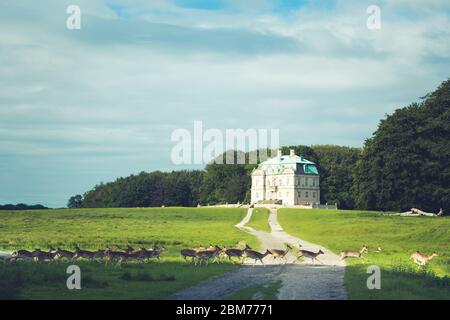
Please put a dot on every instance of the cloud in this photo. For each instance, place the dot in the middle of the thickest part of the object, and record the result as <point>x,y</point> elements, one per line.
<point>80,107</point>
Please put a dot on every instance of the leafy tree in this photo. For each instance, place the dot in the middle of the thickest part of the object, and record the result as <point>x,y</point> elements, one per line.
<point>304,151</point>
<point>75,202</point>
<point>22,206</point>
<point>225,182</point>
<point>177,188</point>
<point>406,163</point>
<point>337,165</point>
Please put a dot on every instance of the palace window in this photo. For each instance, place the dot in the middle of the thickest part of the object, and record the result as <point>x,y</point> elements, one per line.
<point>306,194</point>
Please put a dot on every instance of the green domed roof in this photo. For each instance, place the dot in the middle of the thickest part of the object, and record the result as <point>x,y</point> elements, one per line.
<point>297,163</point>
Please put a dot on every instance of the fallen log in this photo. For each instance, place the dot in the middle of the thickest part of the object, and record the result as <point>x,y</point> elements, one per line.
<point>417,213</point>
<point>423,213</point>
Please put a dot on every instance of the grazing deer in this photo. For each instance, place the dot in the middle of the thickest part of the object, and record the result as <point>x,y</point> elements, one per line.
<point>354,253</point>
<point>311,255</point>
<point>422,259</point>
<point>276,253</point>
<point>255,255</point>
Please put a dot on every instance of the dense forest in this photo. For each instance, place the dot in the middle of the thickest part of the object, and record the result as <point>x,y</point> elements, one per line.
<point>406,163</point>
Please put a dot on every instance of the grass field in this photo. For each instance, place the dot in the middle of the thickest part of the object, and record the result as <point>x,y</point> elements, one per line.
<point>174,228</point>
<point>398,236</point>
<point>260,220</point>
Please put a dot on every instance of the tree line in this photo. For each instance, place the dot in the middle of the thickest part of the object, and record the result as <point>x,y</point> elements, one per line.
<point>22,206</point>
<point>406,163</point>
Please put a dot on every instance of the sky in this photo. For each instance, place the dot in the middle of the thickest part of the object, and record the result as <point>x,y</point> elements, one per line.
<point>80,107</point>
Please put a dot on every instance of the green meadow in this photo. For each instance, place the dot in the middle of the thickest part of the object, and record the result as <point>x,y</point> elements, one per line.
<point>398,237</point>
<point>176,228</point>
<point>259,220</point>
<point>173,228</point>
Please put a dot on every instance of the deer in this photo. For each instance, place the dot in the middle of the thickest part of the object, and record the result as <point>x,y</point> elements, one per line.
<point>236,252</point>
<point>83,254</point>
<point>99,255</point>
<point>354,253</point>
<point>211,253</point>
<point>154,253</point>
<point>255,255</point>
<point>219,254</point>
<point>40,255</point>
<point>135,255</point>
<point>311,255</point>
<point>119,256</point>
<point>191,253</point>
<point>422,259</point>
<point>205,255</point>
<point>60,254</point>
<point>21,254</point>
<point>276,253</point>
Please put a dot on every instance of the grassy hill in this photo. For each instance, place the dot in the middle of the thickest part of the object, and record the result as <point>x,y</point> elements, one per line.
<point>398,236</point>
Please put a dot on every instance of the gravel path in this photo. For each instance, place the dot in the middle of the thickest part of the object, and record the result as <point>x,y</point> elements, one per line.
<point>4,255</point>
<point>299,280</point>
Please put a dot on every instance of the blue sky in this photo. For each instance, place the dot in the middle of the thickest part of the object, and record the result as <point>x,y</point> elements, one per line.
<point>81,107</point>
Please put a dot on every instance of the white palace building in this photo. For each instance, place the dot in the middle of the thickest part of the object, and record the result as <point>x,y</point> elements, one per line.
<point>291,179</point>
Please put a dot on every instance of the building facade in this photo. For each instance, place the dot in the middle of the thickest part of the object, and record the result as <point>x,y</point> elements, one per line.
<point>291,179</point>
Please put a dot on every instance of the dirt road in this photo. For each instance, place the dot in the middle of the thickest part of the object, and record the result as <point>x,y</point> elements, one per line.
<point>299,280</point>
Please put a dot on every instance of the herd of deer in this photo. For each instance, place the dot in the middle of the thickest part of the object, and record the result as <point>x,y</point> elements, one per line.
<point>198,255</point>
<point>107,255</point>
<point>216,254</point>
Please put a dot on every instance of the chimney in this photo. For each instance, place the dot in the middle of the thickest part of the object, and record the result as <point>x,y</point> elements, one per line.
<point>292,152</point>
<point>279,153</point>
